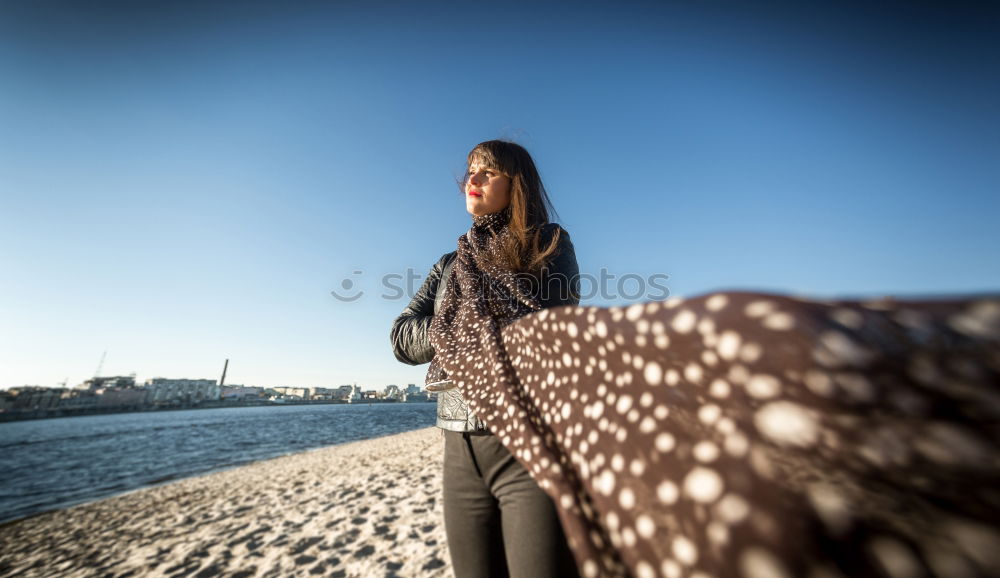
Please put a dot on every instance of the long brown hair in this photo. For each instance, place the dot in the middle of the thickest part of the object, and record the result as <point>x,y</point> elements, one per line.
<point>529,206</point>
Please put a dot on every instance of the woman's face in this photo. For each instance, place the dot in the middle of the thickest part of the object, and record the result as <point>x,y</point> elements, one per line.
<point>486,190</point>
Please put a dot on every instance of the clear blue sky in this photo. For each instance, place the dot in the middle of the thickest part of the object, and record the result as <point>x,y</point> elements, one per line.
<point>184,182</point>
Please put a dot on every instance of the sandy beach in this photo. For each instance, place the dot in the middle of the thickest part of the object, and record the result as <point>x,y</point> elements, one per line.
<point>370,508</point>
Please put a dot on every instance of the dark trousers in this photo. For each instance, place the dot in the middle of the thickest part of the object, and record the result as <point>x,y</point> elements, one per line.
<point>498,520</point>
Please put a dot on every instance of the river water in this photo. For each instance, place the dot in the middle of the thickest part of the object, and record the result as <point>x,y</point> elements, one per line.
<point>54,463</point>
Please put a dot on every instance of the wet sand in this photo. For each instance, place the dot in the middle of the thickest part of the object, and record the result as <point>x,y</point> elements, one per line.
<point>370,508</point>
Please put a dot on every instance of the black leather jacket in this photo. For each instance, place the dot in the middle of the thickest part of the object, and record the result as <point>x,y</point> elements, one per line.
<point>559,285</point>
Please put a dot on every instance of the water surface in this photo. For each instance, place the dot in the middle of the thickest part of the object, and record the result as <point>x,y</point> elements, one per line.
<point>54,463</point>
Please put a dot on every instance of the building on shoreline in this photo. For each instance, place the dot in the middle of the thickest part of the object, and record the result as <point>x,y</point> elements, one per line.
<point>241,393</point>
<point>95,384</point>
<point>31,397</point>
<point>174,391</point>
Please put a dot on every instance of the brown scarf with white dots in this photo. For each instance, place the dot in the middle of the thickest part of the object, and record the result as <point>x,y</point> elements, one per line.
<point>493,297</point>
<point>740,434</point>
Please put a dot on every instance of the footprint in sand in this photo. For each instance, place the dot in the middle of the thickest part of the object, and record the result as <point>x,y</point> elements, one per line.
<point>364,551</point>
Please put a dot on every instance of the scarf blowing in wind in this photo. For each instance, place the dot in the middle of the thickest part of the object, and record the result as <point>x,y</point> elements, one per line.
<point>739,434</point>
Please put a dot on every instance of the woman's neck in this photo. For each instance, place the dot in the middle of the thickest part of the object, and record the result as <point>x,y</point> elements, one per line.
<point>492,221</point>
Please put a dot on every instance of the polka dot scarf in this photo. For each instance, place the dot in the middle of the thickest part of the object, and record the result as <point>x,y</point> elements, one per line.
<point>740,434</point>
<point>492,297</point>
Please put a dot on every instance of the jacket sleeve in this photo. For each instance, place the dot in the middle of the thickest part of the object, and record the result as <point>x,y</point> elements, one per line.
<point>410,343</point>
<point>561,279</point>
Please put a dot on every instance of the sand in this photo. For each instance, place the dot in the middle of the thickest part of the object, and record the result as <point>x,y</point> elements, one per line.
<point>370,508</point>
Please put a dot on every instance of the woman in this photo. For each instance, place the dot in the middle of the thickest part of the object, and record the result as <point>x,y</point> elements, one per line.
<point>498,521</point>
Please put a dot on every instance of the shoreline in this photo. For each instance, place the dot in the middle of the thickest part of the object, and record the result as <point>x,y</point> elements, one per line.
<point>11,416</point>
<point>363,508</point>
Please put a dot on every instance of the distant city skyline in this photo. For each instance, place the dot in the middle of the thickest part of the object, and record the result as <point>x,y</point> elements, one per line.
<point>139,379</point>
<point>183,183</point>
<point>120,394</point>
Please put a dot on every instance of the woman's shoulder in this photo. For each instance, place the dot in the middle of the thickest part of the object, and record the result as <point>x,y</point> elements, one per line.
<point>550,229</point>
<point>439,266</point>
<point>445,259</point>
<point>563,253</point>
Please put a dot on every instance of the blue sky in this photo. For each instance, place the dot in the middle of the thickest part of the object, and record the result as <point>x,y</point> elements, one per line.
<point>183,182</point>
